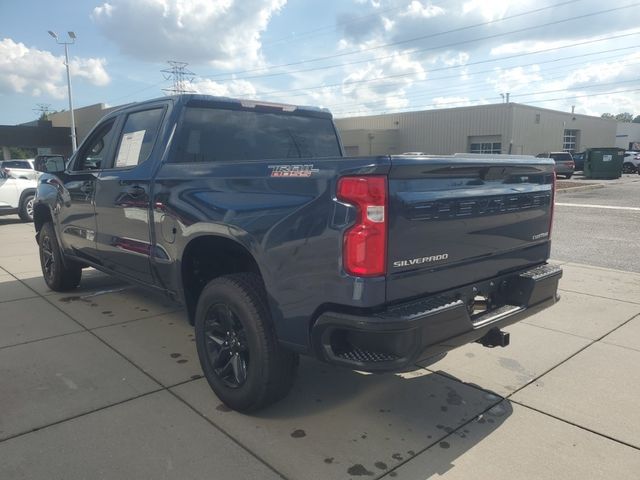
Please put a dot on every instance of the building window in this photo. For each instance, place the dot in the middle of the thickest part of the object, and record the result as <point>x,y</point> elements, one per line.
<point>537,118</point>
<point>486,147</point>
<point>570,141</point>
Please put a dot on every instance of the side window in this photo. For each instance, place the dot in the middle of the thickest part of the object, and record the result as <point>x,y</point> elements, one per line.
<point>137,137</point>
<point>92,156</point>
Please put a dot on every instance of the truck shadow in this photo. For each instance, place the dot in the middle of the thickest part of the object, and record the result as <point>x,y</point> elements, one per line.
<point>335,423</point>
<point>10,220</point>
<point>433,414</point>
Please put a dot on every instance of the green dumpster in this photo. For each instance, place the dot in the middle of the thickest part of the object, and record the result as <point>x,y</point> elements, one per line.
<point>603,163</point>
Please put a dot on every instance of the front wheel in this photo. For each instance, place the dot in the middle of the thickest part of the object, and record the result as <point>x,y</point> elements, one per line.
<point>237,346</point>
<point>568,176</point>
<point>26,208</point>
<point>628,168</point>
<point>60,276</point>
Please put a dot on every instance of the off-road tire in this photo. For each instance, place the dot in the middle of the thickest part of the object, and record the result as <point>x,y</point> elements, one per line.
<point>59,274</point>
<point>270,369</point>
<point>26,208</point>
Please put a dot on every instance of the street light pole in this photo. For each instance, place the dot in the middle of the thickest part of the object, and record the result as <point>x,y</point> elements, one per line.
<point>72,37</point>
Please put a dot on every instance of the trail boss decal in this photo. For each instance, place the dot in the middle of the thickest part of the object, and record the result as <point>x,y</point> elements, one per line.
<point>292,170</point>
<point>421,260</point>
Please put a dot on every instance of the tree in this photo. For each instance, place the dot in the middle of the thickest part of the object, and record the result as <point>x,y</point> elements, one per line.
<point>18,153</point>
<point>608,116</point>
<point>624,117</point>
<point>637,119</point>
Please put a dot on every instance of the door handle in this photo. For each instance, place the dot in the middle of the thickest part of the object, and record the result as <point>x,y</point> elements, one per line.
<point>135,191</point>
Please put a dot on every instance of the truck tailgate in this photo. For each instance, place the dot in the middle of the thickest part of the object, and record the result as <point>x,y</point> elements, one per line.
<point>457,220</point>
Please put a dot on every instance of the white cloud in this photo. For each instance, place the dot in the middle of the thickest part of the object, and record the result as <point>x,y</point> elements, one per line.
<point>39,72</point>
<point>527,46</point>
<point>421,10</point>
<point>225,33</point>
<point>515,79</point>
<point>231,88</point>
<point>611,103</point>
<point>490,9</point>
<point>450,102</point>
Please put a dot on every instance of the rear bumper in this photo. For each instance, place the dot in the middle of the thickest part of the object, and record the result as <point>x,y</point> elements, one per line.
<point>401,335</point>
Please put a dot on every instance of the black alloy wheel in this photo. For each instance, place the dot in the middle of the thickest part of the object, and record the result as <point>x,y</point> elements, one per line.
<point>47,258</point>
<point>227,347</point>
<point>60,274</point>
<point>238,349</point>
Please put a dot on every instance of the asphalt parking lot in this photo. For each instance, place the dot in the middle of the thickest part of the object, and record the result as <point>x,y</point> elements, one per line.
<point>104,382</point>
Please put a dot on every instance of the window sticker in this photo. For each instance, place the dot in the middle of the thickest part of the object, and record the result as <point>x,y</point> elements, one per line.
<point>130,145</point>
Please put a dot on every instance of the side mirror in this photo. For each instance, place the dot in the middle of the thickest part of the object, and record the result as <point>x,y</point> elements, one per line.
<point>54,165</point>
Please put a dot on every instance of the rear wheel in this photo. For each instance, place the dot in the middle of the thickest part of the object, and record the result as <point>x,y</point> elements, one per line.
<point>568,176</point>
<point>26,208</point>
<point>59,275</point>
<point>237,346</point>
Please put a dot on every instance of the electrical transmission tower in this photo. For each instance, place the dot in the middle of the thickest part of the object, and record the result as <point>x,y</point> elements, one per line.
<point>181,77</point>
<point>42,109</point>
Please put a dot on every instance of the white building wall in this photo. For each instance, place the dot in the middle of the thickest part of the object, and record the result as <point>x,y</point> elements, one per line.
<point>627,133</point>
<point>537,130</point>
<point>85,118</point>
<point>521,129</point>
<point>437,131</point>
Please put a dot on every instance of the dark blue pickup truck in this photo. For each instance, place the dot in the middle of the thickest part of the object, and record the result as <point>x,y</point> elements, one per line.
<point>248,214</point>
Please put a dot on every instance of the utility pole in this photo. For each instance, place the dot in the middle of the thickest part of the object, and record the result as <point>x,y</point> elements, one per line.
<point>72,37</point>
<point>181,77</point>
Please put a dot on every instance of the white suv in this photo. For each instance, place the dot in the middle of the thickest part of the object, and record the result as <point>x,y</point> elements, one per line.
<point>631,162</point>
<point>23,168</point>
<point>16,196</point>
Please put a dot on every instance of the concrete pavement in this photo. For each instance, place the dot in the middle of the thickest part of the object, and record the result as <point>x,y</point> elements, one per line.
<point>104,382</point>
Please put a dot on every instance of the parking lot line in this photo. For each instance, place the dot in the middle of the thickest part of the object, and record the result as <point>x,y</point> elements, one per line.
<point>588,205</point>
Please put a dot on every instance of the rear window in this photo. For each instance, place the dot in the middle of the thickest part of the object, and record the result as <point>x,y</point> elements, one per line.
<point>215,135</point>
<point>16,164</point>
<point>563,157</point>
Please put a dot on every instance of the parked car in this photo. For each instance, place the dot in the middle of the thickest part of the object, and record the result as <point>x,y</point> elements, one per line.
<point>248,214</point>
<point>20,168</point>
<point>578,160</point>
<point>631,162</point>
<point>16,196</point>
<point>565,165</point>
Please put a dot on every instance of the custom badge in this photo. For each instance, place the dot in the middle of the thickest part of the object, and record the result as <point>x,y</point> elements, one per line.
<point>292,170</point>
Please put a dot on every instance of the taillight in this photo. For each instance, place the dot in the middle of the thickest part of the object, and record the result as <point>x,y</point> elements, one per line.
<point>365,243</point>
<point>553,203</point>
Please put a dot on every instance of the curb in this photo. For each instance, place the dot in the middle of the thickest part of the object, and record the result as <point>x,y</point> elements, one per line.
<point>580,189</point>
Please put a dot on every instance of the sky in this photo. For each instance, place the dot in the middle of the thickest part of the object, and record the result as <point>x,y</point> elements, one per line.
<point>354,57</point>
